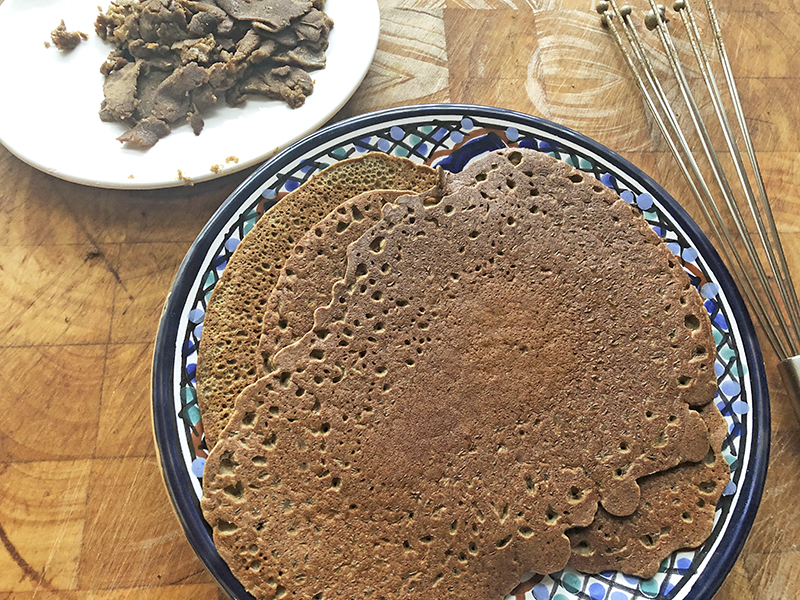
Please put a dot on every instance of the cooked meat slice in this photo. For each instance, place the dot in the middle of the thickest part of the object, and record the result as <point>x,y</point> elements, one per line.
<point>196,122</point>
<point>291,84</point>
<point>302,56</point>
<point>264,51</point>
<point>196,50</point>
<point>246,45</point>
<point>203,98</point>
<point>163,21</point>
<point>274,14</point>
<point>171,101</point>
<point>115,61</point>
<point>119,89</point>
<point>145,133</point>
<point>149,80</point>
<point>313,26</point>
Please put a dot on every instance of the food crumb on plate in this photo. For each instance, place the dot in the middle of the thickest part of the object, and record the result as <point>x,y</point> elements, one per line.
<point>232,159</point>
<point>66,40</point>
<point>186,180</point>
<point>216,168</point>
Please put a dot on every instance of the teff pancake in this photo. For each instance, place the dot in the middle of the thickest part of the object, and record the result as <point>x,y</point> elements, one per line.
<point>317,262</point>
<point>676,511</point>
<point>228,359</point>
<point>494,362</point>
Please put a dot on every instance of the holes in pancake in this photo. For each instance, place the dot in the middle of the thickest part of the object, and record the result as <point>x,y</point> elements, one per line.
<point>510,183</point>
<point>576,178</point>
<point>318,232</point>
<point>260,461</point>
<point>502,543</point>
<point>285,379</point>
<point>481,177</point>
<point>515,158</point>
<point>551,516</point>
<point>341,226</point>
<point>661,440</point>
<point>437,579</point>
<point>684,381</point>
<point>534,209</point>
<point>322,333</point>
<point>648,540</point>
<point>361,270</point>
<point>701,503</point>
<point>249,419</point>
<point>525,531</point>
<point>583,548</point>
<point>620,472</point>
<point>283,323</point>
<point>270,441</point>
<point>426,539</point>
<point>449,209</point>
<point>280,591</point>
<point>227,466</point>
<point>317,354</point>
<point>380,371</point>
<point>357,214</point>
<point>454,527</point>
<point>336,483</point>
<point>576,495</point>
<point>699,353</point>
<point>687,517</point>
<point>377,296</point>
<point>299,392</point>
<point>431,201</point>
<point>224,526</point>
<point>473,234</point>
<point>691,322</point>
<point>623,447</point>
<point>377,245</point>
<point>710,458</point>
<point>472,548</point>
<point>511,222</point>
<point>379,326</point>
<point>708,487</point>
<point>402,303</point>
<point>235,491</point>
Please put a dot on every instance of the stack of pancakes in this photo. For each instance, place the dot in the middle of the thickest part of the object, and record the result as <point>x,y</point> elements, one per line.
<point>419,383</point>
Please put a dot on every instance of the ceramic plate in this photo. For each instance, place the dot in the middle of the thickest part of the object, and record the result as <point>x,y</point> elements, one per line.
<point>50,101</point>
<point>451,136</point>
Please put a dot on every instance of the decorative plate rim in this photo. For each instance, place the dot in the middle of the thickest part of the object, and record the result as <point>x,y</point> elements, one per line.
<point>173,469</point>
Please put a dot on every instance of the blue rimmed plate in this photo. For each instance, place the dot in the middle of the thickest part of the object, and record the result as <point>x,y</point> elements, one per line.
<point>451,136</point>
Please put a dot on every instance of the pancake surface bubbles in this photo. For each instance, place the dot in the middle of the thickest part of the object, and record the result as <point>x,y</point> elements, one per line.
<point>495,361</point>
<point>229,359</point>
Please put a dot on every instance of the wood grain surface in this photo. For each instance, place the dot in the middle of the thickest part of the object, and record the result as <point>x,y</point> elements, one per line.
<point>84,273</point>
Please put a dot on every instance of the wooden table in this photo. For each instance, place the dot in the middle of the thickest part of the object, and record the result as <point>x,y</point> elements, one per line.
<point>84,273</point>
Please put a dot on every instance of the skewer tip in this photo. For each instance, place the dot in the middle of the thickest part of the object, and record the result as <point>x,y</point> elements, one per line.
<point>602,7</point>
<point>625,11</point>
<point>679,5</point>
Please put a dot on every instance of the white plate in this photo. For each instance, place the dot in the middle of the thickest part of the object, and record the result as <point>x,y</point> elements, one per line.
<point>50,100</point>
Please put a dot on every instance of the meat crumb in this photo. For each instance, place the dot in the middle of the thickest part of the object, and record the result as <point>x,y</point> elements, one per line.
<point>232,159</point>
<point>66,40</point>
<point>216,168</point>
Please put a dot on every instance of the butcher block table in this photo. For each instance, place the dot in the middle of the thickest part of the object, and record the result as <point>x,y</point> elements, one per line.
<point>84,273</point>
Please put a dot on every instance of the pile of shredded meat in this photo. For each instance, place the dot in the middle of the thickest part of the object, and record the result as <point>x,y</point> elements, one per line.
<point>175,59</point>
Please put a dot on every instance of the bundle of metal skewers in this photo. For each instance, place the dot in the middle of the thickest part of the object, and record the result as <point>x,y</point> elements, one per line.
<point>735,213</point>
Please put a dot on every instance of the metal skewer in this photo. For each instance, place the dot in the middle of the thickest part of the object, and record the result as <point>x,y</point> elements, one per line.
<point>779,314</point>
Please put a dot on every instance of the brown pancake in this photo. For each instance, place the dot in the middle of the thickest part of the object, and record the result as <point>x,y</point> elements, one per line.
<point>676,511</point>
<point>317,262</point>
<point>228,359</point>
<point>494,362</point>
